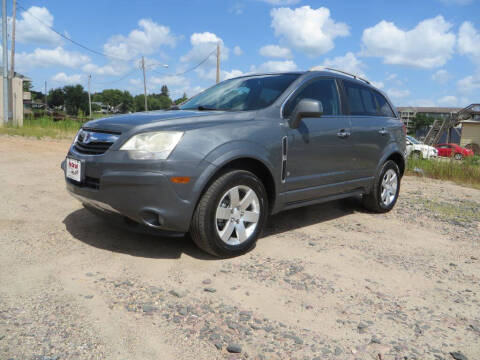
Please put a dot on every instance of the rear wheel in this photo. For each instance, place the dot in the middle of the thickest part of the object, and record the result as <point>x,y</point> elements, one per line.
<point>386,188</point>
<point>230,215</point>
<point>458,156</point>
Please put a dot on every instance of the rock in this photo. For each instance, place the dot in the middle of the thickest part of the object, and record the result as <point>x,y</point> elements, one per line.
<point>234,348</point>
<point>176,293</point>
<point>206,282</point>
<point>361,327</point>
<point>458,356</point>
<point>375,340</point>
<point>419,171</point>
<point>149,309</point>
<point>338,351</point>
<point>89,274</point>
<point>218,345</point>
<point>89,297</point>
<point>210,290</point>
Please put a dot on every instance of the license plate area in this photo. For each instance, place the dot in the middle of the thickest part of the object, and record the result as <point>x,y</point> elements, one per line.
<point>75,169</point>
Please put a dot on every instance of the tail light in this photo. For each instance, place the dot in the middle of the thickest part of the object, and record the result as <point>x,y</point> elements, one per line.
<point>404,127</point>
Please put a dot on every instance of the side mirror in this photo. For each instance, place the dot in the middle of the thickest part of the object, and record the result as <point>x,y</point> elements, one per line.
<point>408,142</point>
<point>305,108</point>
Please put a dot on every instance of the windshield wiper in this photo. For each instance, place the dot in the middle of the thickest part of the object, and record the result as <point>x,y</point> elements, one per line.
<point>205,108</point>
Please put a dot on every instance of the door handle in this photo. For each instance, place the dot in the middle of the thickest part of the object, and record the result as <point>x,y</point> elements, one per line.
<point>343,134</point>
<point>382,131</point>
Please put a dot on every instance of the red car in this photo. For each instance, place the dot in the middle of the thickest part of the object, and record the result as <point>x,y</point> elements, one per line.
<point>449,150</point>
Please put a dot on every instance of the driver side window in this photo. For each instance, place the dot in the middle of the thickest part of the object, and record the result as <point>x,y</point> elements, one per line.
<point>324,90</point>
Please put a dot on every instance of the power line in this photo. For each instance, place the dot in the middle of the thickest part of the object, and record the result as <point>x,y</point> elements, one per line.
<point>188,70</point>
<point>69,39</point>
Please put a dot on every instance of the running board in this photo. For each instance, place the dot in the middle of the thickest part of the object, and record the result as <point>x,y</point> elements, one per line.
<point>300,203</point>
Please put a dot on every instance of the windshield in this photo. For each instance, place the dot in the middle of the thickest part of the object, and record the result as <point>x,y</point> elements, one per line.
<point>241,94</point>
<point>413,140</point>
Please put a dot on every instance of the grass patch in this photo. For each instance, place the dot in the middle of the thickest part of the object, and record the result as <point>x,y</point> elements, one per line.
<point>459,211</point>
<point>44,127</point>
<point>465,172</point>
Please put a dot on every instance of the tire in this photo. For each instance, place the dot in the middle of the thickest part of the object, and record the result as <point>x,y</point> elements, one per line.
<point>373,201</point>
<point>218,212</point>
<point>458,156</point>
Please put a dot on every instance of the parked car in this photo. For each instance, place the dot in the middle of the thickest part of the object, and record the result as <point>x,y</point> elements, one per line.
<point>449,150</point>
<point>251,146</point>
<point>418,150</point>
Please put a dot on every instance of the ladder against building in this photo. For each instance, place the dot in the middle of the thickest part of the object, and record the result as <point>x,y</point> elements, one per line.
<point>439,127</point>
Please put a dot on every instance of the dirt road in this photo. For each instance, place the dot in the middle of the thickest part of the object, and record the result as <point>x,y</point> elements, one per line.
<point>325,282</point>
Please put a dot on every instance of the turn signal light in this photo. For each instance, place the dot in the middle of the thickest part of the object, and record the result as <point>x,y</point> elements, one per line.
<point>180,179</point>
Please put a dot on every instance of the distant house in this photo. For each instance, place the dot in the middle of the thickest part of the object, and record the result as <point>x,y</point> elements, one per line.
<point>467,126</point>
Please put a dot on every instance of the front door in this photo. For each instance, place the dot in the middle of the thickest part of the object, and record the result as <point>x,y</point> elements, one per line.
<point>319,151</point>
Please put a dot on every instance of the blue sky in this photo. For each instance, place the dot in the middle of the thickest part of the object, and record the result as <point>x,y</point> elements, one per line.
<point>423,52</point>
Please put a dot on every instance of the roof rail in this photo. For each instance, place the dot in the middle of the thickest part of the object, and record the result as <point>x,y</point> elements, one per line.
<point>347,73</point>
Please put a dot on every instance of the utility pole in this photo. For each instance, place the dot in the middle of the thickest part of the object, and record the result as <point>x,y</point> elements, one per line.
<point>5,61</point>
<point>46,106</point>
<point>12,55</point>
<point>89,98</point>
<point>11,102</point>
<point>144,83</point>
<point>218,62</point>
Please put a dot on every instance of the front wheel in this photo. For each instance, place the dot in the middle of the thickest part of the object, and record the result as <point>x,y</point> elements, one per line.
<point>458,156</point>
<point>386,188</point>
<point>231,214</point>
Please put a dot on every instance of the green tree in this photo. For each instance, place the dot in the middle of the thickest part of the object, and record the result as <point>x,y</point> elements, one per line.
<point>56,97</point>
<point>27,85</point>
<point>76,98</point>
<point>165,91</point>
<point>181,100</point>
<point>422,121</point>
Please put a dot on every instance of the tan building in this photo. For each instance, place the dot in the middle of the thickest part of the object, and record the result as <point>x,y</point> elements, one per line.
<point>17,98</point>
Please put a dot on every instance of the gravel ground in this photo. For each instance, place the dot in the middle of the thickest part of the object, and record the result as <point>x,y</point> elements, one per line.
<point>325,282</point>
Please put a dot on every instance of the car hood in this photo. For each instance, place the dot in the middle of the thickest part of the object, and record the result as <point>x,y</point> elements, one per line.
<point>175,119</point>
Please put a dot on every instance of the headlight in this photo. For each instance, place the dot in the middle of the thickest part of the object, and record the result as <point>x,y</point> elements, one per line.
<point>152,145</point>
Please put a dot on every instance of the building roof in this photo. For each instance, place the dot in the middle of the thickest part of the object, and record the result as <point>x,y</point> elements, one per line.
<point>476,122</point>
<point>436,110</point>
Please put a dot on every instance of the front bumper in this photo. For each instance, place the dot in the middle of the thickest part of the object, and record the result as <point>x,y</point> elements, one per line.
<point>144,196</point>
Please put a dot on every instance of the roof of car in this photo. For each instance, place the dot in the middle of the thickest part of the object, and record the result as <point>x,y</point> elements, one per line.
<point>330,72</point>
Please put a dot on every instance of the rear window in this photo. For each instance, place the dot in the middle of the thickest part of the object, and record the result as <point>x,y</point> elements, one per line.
<point>383,105</point>
<point>360,99</point>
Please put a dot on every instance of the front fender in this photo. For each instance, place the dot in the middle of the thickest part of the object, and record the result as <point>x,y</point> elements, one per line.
<point>226,153</point>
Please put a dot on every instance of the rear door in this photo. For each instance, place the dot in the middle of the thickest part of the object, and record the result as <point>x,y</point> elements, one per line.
<point>319,150</point>
<point>370,117</point>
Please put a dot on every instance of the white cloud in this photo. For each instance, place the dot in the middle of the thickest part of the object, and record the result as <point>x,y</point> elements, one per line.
<point>29,30</point>
<point>469,84</point>
<point>50,57</point>
<point>349,63</point>
<point>237,50</point>
<point>281,2</point>
<point>275,66</point>
<point>276,51</point>
<point>429,45</point>
<point>469,41</point>
<point>202,45</point>
<point>231,74</point>
<point>309,30</point>
<point>378,84</point>
<point>63,78</point>
<point>109,69</point>
<point>147,39</point>
<point>441,76</point>
<point>448,100</point>
<point>398,94</point>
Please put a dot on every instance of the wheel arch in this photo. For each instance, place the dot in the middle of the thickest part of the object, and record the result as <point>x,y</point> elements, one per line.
<point>399,159</point>
<point>248,163</point>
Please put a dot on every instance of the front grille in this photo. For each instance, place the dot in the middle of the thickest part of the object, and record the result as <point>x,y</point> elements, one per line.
<point>94,142</point>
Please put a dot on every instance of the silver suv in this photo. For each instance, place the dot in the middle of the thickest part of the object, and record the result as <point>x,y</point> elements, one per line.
<point>220,163</point>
